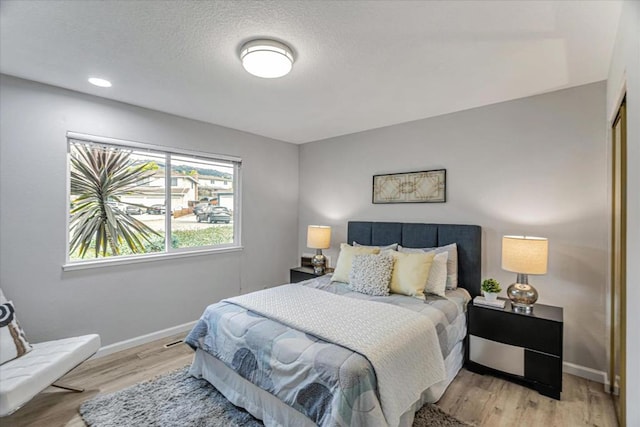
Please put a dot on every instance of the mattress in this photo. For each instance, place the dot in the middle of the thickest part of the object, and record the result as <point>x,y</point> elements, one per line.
<point>326,383</point>
<point>447,313</point>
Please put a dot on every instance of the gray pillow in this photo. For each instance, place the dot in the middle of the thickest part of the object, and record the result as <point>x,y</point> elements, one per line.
<point>391,247</point>
<point>371,274</point>
<point>452,260</point>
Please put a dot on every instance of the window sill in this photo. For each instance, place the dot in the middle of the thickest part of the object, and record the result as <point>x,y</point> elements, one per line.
<point>85,265</point>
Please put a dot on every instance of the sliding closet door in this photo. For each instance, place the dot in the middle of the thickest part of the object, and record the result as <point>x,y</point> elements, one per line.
<point>618,262</point>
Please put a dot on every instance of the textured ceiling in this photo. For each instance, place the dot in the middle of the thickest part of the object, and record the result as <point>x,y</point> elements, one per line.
<point>359,65</point>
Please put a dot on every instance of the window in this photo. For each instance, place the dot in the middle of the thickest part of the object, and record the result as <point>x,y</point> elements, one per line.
<point>132,201</point>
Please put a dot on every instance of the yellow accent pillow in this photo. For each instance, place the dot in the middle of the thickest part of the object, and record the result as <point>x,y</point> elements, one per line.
<point>410,273</point>
<point>345,260</point>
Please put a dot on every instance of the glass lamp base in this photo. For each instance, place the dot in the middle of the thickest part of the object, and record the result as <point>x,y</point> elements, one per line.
<point>318,262</point>
<point>522,296</point>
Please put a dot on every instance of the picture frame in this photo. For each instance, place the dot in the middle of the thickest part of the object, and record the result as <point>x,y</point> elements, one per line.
<point>428,186</point>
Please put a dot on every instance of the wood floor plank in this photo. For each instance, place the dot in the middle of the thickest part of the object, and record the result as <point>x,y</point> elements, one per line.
<point>55,407</point>
<point>483,400</point>
<point>480,400</point>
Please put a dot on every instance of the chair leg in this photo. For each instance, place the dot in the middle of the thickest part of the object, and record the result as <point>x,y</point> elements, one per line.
<point>68,387</point>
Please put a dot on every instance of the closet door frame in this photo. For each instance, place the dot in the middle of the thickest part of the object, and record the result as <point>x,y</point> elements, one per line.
<point>617,369</point>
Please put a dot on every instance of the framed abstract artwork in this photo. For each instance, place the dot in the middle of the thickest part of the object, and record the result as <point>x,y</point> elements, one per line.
<point>411,187</point>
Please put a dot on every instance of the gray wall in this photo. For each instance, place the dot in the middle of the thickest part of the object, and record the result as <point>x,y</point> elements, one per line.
<point>535,166</point>
<point>624,74</point>
<point>126,301</point>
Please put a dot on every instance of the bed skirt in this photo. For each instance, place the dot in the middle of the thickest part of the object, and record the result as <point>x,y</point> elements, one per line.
<point>274,413</point>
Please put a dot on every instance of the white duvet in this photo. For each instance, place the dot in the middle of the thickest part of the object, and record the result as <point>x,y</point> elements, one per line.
<point>401,345</point>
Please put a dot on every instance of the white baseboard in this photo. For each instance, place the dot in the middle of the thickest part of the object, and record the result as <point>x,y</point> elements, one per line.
<point>143,339</point>
<point>587,373</point>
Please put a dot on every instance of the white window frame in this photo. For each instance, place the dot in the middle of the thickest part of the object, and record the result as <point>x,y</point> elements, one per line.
<point>169,252</point>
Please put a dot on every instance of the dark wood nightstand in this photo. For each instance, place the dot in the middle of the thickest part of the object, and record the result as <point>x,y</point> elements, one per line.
<point>523,347</point>
<point>299,274</point>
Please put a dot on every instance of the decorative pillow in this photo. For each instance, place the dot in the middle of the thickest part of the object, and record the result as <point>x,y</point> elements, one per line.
<point>371,274</point>
<point>437,281</point>
<point>2,297</point>
<point>410,273</point>
<point>391,247</point>
<point>345,259</point>
<point>452,261</point>
<point>12,340</point>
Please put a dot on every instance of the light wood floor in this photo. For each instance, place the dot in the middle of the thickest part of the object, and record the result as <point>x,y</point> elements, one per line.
<point>477,399</point>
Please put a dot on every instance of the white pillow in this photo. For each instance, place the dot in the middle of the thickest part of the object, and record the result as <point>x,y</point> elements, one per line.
<point>391,247</point>
<point>371,274</point>
<point>12,340</point>
<point>452,260</point>
<point>437,281</point>
<point>410,273</point>
<point>345,260</point>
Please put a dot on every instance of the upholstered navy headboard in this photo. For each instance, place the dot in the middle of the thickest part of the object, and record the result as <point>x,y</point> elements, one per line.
<point>412,235</point>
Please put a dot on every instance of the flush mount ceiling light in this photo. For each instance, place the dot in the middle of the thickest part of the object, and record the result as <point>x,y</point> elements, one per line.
<point>268,59</point>
<point>99,82</point>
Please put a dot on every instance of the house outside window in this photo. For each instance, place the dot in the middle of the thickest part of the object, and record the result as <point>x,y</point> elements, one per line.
<point>131,201</point>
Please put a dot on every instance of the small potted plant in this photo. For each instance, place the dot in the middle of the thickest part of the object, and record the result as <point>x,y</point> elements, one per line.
<point>491,288</point>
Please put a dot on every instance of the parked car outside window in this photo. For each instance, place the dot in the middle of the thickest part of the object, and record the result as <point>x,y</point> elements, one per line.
<point>214,214</point>
<point>133,210</point>
<point>157,210</point>
<point>197,210</point>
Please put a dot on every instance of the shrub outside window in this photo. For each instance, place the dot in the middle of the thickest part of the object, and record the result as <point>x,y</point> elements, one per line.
<point>129,200</point>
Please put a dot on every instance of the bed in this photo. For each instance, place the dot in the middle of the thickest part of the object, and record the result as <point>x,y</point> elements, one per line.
<point>286,374</point>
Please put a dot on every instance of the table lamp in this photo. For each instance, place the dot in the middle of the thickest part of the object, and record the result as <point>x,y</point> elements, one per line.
<point>318,238</point>
<point>524,255</point>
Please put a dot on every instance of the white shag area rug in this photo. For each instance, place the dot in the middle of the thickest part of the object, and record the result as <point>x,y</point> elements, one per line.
<point>180,400</point>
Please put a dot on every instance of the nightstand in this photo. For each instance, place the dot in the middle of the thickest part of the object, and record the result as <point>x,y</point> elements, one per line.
<point>299,274</point>
<point>522,347</point>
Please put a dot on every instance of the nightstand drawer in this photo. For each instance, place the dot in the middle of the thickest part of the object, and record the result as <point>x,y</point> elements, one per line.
<point>296,276</point>
<point>496,355</point>
<point>517,329</point>
<point>543,368</point>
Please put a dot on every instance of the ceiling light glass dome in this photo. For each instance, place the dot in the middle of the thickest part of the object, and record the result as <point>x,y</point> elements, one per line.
<point>268,59</point>
<point>96,81</point>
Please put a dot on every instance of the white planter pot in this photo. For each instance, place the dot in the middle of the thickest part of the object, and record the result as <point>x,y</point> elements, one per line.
<point>491,296</point>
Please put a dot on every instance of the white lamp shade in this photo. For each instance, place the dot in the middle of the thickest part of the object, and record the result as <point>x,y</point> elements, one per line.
<point>525,254</point>
<point>268,59</point>
<point>318,237</point>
